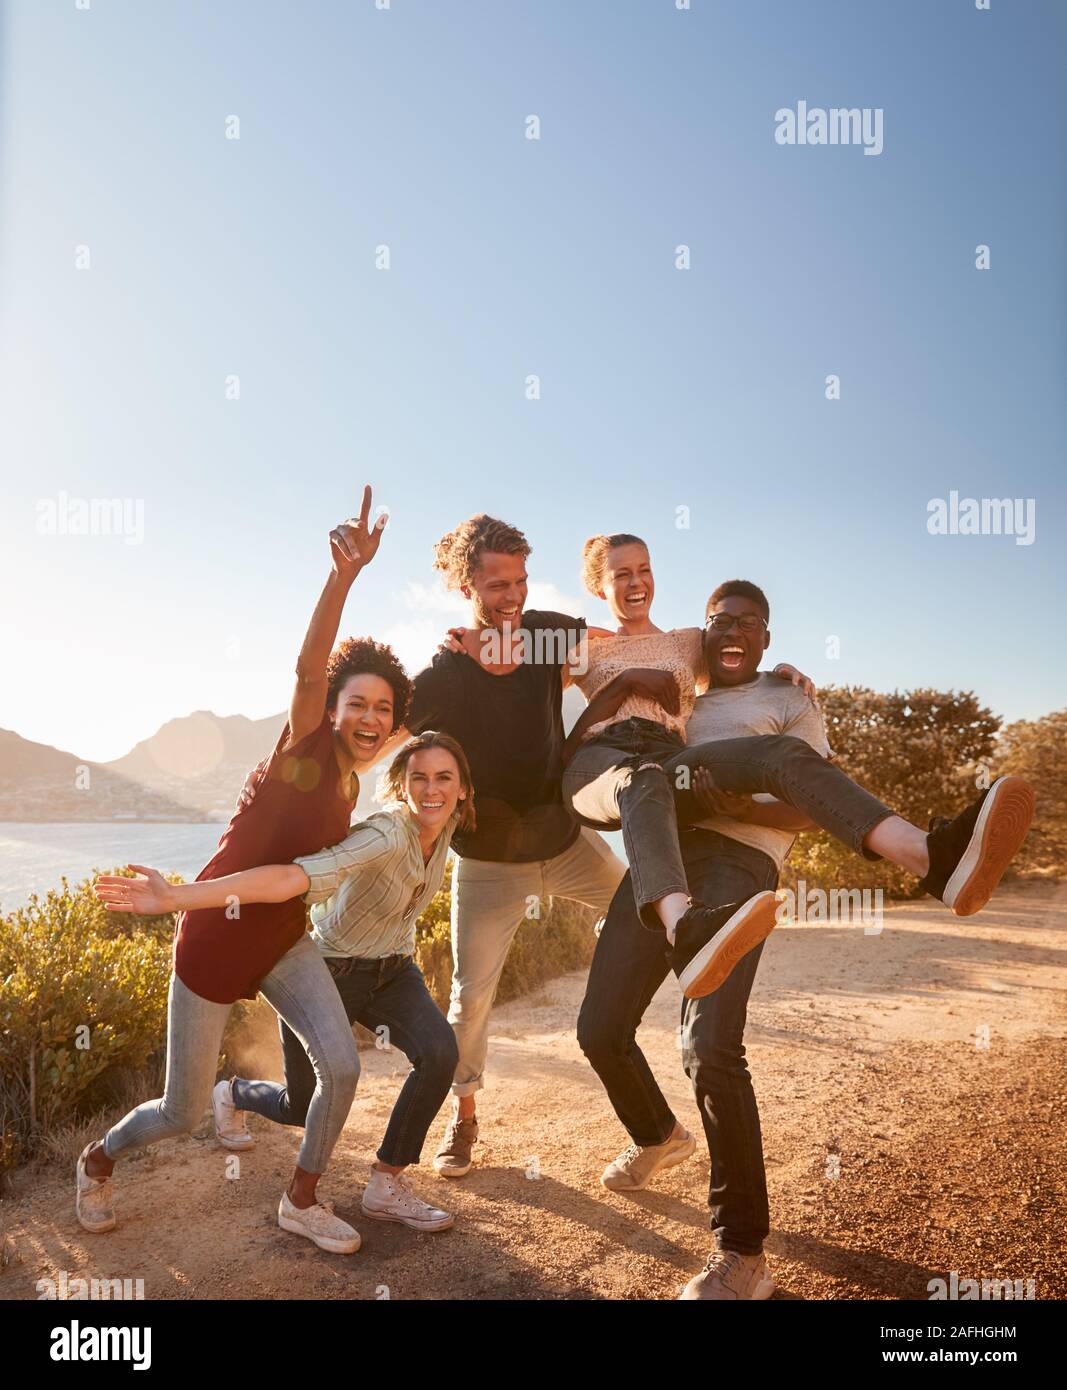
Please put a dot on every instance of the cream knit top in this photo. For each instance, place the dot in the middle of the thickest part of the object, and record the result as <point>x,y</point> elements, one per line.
<point>679,651</point>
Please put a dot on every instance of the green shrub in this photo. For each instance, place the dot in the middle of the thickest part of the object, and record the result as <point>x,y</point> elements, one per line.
<point>72,973</point>
<point>83,998</point>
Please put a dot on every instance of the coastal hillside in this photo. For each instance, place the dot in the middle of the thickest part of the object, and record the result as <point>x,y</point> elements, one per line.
<point>42,783</point>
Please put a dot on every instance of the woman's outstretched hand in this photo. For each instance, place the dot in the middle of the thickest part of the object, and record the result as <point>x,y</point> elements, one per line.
<point>147,896</point>
<point>355,542</point>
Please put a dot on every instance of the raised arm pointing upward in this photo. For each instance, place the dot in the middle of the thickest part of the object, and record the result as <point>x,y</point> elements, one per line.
<point>352,545</point>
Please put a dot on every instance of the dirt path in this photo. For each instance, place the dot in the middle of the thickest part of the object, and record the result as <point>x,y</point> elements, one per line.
<point>950,1156</point>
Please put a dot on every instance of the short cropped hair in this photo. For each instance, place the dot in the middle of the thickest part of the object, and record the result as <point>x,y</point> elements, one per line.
<point>739,588</point>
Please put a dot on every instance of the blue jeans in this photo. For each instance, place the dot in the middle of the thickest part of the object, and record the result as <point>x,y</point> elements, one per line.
<point>299,990</point>
<point>390,994</point>
<point>629,965</point>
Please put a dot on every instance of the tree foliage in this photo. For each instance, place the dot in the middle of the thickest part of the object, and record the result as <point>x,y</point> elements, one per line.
<point>1037,750</point>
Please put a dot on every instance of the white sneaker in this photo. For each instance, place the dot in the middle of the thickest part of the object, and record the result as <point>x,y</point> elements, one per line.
<point>319,1224</point>
<point>387,1197</point>
<point>635,1166</point>
<point>94,1199</point>
<point>729,1276</point>
<point>231,1126</point>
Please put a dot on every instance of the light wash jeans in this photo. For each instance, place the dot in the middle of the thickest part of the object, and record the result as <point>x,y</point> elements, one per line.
<point>489,901</point>
<point>301,990</point>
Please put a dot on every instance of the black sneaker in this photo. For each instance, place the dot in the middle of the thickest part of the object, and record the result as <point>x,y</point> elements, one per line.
<point>709,941</point>
<point>968,855</point>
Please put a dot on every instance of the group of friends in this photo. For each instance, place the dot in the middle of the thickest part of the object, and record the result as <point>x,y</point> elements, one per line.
<point>709,765</point>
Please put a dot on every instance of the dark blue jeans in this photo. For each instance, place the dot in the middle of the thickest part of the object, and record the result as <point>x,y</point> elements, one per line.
<point>629,965</point>
<point>376,993</point>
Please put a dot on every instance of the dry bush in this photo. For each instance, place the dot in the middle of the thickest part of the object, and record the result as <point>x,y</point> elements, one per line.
<point>1037,749</point>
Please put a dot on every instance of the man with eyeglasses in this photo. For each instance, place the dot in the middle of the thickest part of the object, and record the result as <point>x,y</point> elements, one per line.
<point>736,851</point>
<point>751,732</point>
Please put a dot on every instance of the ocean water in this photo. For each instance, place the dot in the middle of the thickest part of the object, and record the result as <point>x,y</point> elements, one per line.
<point>33,858</point>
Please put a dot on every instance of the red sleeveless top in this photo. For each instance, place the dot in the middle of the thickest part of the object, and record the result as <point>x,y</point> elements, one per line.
<point>297,809</point>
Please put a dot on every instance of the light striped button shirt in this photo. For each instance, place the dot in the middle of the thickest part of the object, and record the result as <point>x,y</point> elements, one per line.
<point>367,892</point>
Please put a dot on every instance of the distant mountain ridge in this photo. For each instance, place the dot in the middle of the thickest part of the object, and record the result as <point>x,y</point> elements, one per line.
<point>41,783</point>
<point>191,746</point>
<point>191,769</point>
<point>201,760</point>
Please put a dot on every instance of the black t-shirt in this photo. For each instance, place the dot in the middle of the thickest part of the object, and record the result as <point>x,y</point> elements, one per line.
<point>511,729</point>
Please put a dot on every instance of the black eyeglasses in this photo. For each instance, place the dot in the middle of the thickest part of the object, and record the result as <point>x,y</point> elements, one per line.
<point>747,622</point>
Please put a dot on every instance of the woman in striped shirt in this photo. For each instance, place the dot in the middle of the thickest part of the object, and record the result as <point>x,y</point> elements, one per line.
<point>366,895</point>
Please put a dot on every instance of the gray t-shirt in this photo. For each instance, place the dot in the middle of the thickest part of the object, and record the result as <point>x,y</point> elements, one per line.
<point>765,705</point>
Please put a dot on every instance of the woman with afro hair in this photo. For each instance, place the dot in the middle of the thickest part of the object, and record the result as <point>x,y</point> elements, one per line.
<point>298,801</point>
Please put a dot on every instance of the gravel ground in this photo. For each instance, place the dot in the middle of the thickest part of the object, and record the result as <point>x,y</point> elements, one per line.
<point>900,1147</point>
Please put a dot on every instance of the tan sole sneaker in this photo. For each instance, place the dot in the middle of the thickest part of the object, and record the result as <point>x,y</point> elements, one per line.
<point>635,1167</point>
<point>730,1277</point>
<point>742,932</point>
<point>998,833</point>
<point>231,1126</point>
<point>453,1158</point>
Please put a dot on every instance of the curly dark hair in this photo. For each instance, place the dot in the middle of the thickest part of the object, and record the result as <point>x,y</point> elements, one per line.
<point>459,554</point>
<point>358,656</point>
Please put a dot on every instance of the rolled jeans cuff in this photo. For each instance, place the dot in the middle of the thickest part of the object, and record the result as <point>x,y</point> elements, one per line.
<point>646,911</point>
<point>866,830</point>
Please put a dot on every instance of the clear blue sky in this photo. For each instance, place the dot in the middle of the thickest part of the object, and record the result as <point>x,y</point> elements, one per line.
<point>660,388</point>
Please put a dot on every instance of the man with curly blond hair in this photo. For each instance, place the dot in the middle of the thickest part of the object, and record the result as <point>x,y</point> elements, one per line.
<point>500,694</point>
